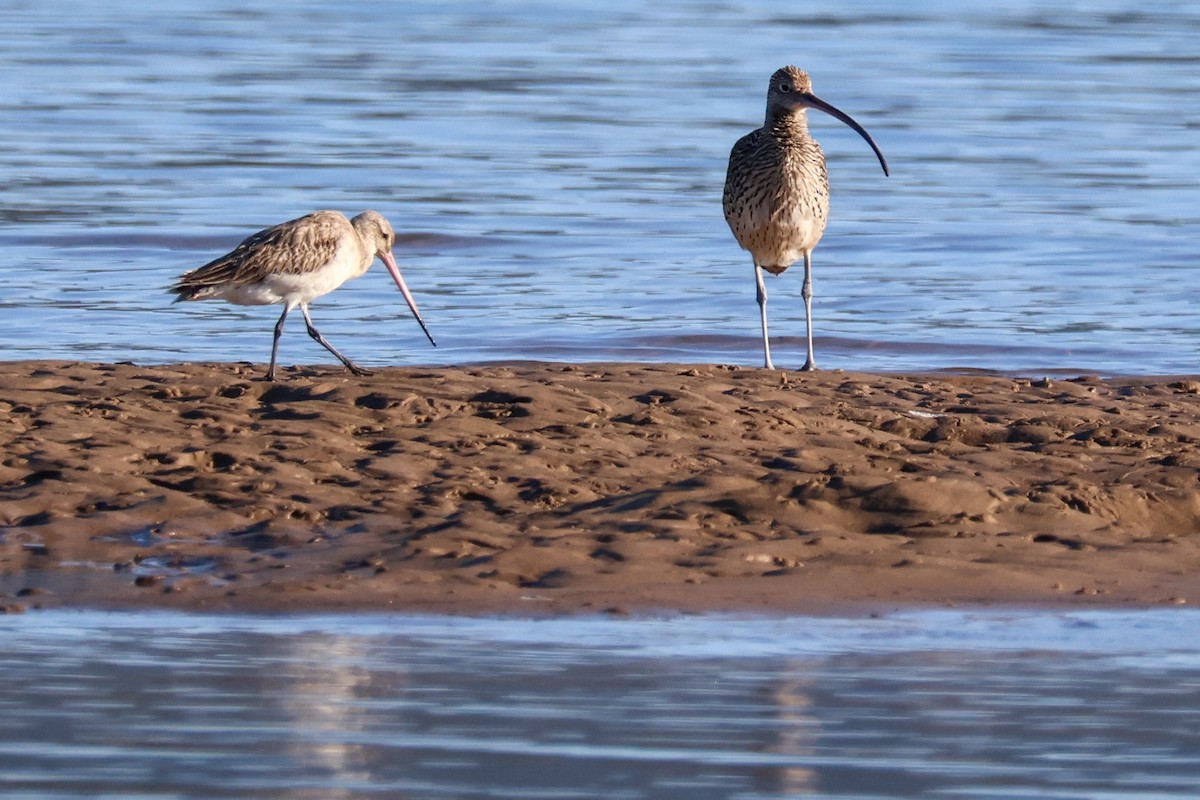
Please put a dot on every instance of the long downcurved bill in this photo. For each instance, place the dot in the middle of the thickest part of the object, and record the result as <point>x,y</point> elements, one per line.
<point>812,101</point>
<point>390,263</point>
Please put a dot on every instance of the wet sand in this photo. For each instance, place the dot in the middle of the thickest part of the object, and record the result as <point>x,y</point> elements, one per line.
<point>537,488</point>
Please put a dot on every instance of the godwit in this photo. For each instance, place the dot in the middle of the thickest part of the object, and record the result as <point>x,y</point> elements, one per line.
<point>777,189</point>
<point>296,262</point>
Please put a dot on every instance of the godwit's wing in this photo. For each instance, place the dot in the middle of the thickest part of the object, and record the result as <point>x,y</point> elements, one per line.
<point>295,247</point>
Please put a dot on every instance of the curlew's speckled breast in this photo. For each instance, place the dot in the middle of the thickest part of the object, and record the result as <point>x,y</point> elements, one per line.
<point>776,196</point>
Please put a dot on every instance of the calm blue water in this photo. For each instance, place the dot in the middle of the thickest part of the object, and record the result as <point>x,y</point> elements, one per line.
<point>949,704</point>
<point>557,169</point>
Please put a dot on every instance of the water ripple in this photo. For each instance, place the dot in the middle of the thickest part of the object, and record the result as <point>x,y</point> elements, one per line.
<point>557,173</point>
<point>948,703</point>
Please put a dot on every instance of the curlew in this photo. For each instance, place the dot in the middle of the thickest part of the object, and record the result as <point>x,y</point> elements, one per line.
<point>777,189</point>
<point>296,262</point>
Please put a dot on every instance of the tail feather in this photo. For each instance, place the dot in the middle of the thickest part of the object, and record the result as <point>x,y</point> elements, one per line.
<point>204,281</point>
<point>182,293</point>
<point>189,291</point>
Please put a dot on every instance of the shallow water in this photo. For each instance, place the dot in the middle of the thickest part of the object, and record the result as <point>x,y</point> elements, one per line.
<point>557,171</point>
<point>942,704</point>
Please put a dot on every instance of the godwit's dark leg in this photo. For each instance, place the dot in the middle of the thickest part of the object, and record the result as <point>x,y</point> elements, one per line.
<point>316,334</point>
<point>275,343</point>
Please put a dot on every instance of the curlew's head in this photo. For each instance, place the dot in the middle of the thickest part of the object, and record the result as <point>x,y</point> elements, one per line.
<point>790,92</point>
<point>787,84</point>
<point>378,237</point>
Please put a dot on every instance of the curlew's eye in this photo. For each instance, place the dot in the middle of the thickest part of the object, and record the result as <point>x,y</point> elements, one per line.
<point>785,87</point>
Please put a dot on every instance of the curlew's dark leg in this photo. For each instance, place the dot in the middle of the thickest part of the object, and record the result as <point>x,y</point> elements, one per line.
<point>314,333</point>
<point>275,343</point>
<point>806,292</point>
<point>762,308</point>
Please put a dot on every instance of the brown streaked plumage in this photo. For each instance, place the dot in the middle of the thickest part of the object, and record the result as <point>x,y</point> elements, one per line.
<point>294,263</point>
<point>776,197</point>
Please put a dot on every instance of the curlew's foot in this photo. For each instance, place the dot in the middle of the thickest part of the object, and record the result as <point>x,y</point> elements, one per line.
<point>809,366</point>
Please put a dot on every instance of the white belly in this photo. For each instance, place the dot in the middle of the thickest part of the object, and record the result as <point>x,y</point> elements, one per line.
<point>783,241</point>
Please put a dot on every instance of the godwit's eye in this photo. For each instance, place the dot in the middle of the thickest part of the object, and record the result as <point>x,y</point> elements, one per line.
<point>785,87</point>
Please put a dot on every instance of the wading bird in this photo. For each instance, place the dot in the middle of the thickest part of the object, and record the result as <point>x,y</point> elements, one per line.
<point>777,189</point>
<point>296,262</point>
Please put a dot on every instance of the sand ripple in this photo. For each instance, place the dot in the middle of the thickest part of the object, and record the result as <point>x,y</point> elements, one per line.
<point>542,488</point>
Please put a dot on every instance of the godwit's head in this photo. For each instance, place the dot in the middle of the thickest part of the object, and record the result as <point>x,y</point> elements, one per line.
<point>375,231</point>
<point>378,237</point>
<point>790,93</point>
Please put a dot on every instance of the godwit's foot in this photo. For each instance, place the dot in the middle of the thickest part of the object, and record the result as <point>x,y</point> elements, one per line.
<point>357,370</point>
